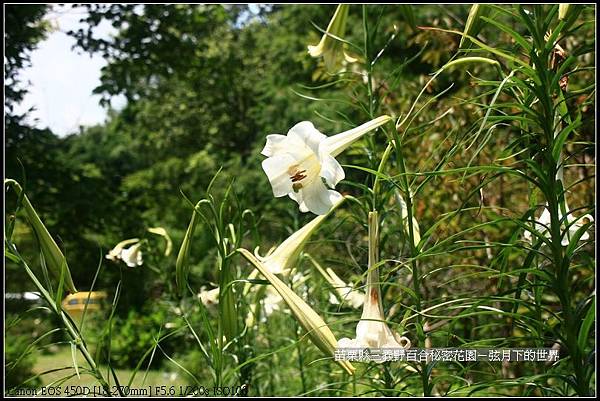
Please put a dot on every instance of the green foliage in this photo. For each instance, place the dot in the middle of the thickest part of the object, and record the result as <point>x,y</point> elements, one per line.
<point>19,364</point>
<point>132,336</point>
<point>24,29</point>
<point>478,149</point>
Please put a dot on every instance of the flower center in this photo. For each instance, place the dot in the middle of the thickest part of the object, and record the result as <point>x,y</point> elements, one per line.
<point>303,172</point>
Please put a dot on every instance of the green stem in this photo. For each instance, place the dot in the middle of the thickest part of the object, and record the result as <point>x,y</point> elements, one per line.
<point>384,159</point>
<point>300,360</point>
<point>414,252</point>
<point>75,336</point>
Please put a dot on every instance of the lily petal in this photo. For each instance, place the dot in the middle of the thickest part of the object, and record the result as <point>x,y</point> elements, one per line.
<point>336,144</point>
<point>285,255</point>
<point>273,167</point>
<point>331,170</point>
<point>275,144</point>
<point>305,133</point>
<point>318,198</point>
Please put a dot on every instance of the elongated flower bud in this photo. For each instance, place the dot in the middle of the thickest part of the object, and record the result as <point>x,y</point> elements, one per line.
<point>563,10</point>
<point>182,264</point>
<point>317,330</point>
<point>281,260</point>
<point>329,47</point>
<point>55,260</point>
<point>474,23</point>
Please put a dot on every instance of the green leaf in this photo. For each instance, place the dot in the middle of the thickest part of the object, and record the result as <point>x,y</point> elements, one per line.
<point>586,325</point>
<point>74,358</point>
<point>474,23</point>
<point>182,263</point>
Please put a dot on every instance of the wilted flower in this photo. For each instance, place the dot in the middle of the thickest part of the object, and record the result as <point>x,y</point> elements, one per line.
<point>330,46</point>
<point>302,163</point>
<point>542,225</point>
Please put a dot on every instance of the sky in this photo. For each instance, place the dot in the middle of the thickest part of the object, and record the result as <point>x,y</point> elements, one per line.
<point>61,80</point>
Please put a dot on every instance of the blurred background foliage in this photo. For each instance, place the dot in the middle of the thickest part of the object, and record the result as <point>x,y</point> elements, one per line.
<point>205,84</point>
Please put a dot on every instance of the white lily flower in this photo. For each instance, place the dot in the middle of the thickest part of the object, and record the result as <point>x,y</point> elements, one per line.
<point>543,224</point>
<point>302,163</point>
<point>348,294</point>
<point>281,260</point>
<point>209,298</point>
<point>372,331</point>
<point>132,256</point>
<point>331,48</point>
<point>344,291</point>
<point>115,253</point>
<point>271,302</point>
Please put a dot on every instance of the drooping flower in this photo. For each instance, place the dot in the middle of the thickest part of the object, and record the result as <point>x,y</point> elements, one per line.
<point>132,256</point>
<point>330,46</point>
<point>542,225</point>
<point>302,163</point>
<point>372,331</point>
<point>120,253</point>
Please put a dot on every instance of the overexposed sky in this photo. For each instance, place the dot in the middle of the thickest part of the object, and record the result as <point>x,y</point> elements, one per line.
<point>61,80</point>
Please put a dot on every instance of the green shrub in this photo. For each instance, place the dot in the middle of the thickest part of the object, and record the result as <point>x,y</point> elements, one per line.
<point>19,359</point>
<point>131,337</point>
